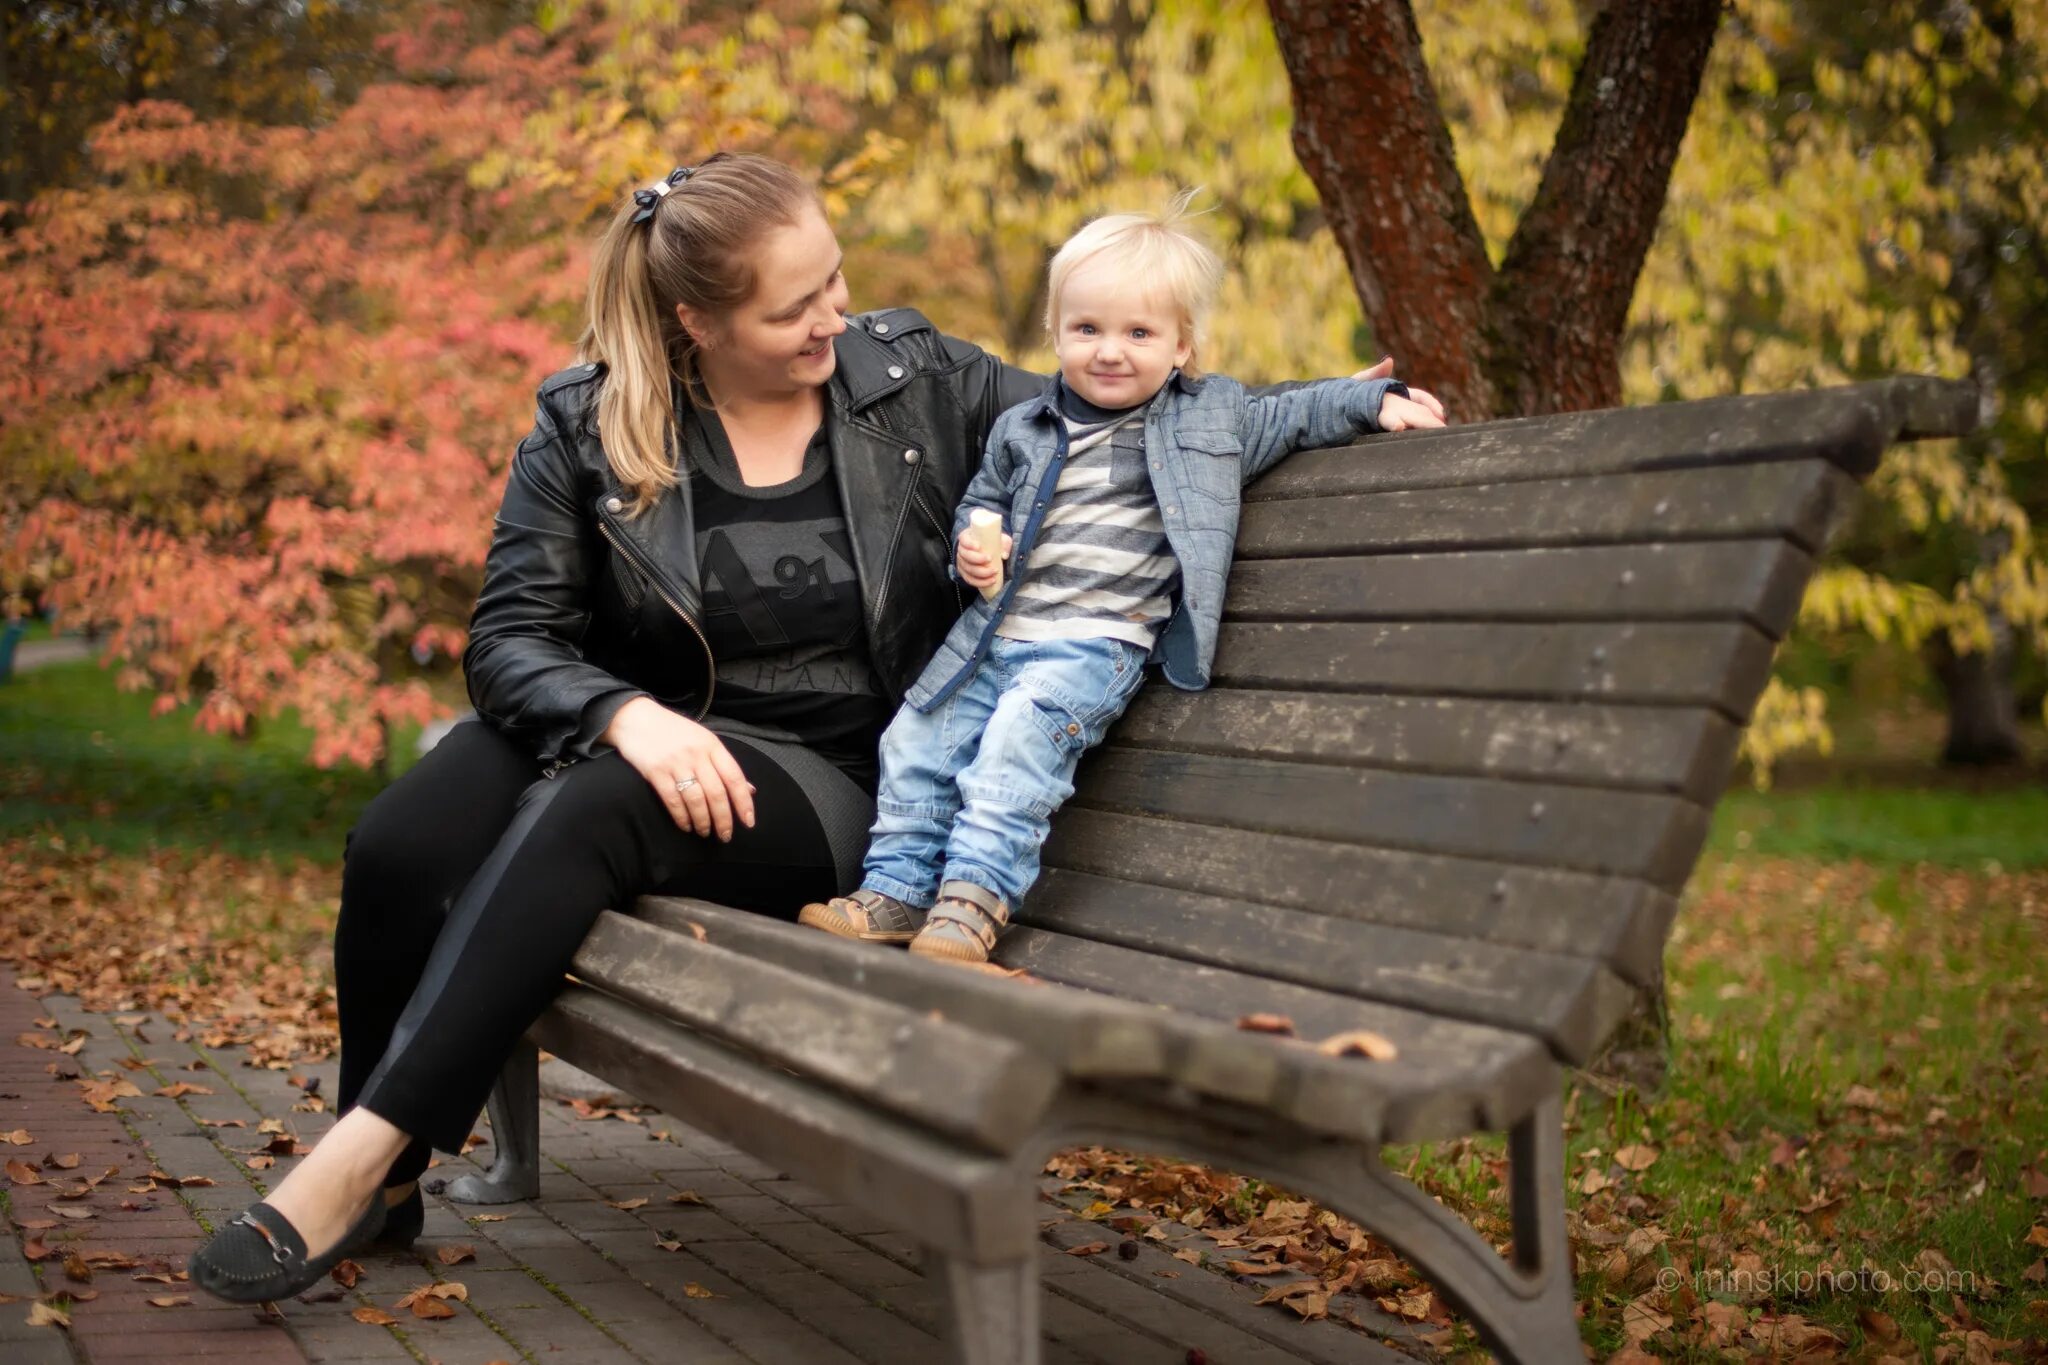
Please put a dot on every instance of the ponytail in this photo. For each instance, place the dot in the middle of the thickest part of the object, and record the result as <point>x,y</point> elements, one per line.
<point>690,244</point>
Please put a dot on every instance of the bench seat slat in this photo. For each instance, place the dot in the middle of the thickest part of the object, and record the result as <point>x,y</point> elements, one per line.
<point>1204,1056</point>
<point>1569,1002</point>
<point>947,1196</point>
<point>1847,427</point>
<point>1722,666</point>
<point>1759,581</point>
<point>1615,920</point>
<point>1798,502</point>
<point>1479,1072</point>
<point>1687,751</point>
<point>1629,834</point>
<point>932,1071</point>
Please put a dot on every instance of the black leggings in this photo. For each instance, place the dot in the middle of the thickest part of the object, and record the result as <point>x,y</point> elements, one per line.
<point>468,885</point>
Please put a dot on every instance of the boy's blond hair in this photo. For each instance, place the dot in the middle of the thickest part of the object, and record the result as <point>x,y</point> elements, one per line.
<point>1157,248</point>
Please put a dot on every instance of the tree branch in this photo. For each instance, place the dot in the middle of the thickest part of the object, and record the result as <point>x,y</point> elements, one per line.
<point>1371,135</point>
<point>1563,292</point>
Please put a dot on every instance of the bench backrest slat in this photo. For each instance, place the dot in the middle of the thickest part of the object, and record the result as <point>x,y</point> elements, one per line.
<point>1362,888</point>
<point>1759,581</point>
<point>1660,663</point>
<point>1684,750</point>
<point>1797,501</point>
<point>1631,834</point>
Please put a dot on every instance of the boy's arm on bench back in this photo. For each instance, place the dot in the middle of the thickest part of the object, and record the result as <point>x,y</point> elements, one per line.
<point>1325,412</point>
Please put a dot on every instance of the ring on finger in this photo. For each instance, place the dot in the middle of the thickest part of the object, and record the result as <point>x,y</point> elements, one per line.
<point>683,784</point>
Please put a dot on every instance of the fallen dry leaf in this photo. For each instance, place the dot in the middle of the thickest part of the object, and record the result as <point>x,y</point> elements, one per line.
<point>1088,1249</point>
<point>21,1173</point>
<point>346,1273</point>
<point>1257,1267</point>
<point>626,1205</point>
<point>686,1197</point>
<point>455,1253</point>
<point>19,1137</point>
<point>66,1162</point>
<point>1636,1157</point>
<point>697,1291</point>
<point>1359,1042</point>
<point>171,1301</point>
<point>180,1090</point>
<point>431,1308</point>
<point>1267,1023</point>
<point>374,1317</point>
<point>42,1314</point>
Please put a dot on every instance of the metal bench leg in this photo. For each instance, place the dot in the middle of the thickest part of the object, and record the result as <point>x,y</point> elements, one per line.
<point>1524,1313</point>
<point>515,1133</point>
<point>993,1309</point>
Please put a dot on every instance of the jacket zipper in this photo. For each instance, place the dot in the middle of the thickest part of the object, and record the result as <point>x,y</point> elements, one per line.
<point>945,537</point>
<point>710,665</point>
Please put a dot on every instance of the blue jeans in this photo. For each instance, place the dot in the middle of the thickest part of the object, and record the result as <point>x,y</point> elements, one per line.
<point>968,789</point>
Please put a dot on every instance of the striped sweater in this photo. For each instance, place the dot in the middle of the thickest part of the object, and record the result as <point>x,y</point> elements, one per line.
<point>1101,567</point>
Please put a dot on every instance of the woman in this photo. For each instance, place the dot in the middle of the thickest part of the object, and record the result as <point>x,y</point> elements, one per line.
<point>720,560</point>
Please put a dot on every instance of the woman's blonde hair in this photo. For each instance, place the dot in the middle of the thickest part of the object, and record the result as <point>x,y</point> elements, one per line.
<point>1156,248</point>
<point>695,249</point>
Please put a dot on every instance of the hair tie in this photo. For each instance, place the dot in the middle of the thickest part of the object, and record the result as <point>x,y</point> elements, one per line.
<point>648,198</point>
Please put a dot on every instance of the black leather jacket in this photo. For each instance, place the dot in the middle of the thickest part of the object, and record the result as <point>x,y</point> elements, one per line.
<point>583,610</point>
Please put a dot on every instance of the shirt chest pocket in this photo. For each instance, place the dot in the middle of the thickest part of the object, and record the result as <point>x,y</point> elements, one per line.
<point>1212,463</point>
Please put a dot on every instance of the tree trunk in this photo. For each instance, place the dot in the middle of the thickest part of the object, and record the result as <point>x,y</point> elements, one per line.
<point>1983,709</point>
<point>1543,334</point>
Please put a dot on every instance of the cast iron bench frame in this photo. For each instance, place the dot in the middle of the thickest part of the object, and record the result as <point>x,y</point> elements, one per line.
<point>1477,693</point>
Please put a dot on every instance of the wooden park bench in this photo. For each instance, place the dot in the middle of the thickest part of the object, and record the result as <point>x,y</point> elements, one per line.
<point>1477,693</point>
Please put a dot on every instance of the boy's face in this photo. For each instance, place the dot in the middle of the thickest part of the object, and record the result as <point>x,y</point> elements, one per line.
<point>1117,342</point>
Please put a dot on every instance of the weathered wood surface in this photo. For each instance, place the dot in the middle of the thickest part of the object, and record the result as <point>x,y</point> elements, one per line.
<point>1108,1038</point>
<point>1722,666</point>
<point>949,1197</point>
<point>1798,502</point>
<point>1758,581</point>
<point>1683,750</point>
<point>1471,1052</point>
<point>1848,427</point>
<point>1563,999</point>
<point>1632,834</point>
<point>981,1088</point>
<point>1359,890</point>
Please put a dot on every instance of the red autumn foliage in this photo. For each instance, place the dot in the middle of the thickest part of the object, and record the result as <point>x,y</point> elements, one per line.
<point>260,383</point>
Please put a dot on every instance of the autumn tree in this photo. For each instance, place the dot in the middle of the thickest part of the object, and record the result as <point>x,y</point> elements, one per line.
<point>1540,329</point>
<point>68,65</point>
<point>262,381</point>
<point>1863,195</point>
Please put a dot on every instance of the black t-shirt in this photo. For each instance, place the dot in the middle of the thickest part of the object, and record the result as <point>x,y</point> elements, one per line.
<point>782,606</point>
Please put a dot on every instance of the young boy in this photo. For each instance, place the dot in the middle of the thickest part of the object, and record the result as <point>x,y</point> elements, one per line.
<point>1119,490</point>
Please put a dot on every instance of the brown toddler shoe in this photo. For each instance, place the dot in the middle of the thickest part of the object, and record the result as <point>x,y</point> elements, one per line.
<point>963,926</point>
<point>866,915</point>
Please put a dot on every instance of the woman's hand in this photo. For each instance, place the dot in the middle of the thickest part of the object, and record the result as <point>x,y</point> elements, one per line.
<point>668,749</point>
<point>976,569</point>
<point>1419,409</point>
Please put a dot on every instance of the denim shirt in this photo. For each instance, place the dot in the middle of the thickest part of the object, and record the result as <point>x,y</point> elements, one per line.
<point>1204,440</point>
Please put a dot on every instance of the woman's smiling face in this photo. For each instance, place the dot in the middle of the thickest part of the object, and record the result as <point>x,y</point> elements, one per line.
<point>781,339</point>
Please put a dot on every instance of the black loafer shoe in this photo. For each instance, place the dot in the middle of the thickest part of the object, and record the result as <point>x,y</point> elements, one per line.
<point>260,1258</point>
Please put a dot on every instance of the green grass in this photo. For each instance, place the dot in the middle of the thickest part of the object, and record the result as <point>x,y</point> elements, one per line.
<point>1889,825</point>
<point>84,762</point>
<point>1867,1034</point>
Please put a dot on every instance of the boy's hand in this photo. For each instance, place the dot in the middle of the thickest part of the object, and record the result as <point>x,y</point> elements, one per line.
<point>1419,409</point>
<point>976,569</point>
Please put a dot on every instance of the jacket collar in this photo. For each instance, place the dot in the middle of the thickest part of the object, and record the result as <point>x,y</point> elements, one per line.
<point>868,370</point>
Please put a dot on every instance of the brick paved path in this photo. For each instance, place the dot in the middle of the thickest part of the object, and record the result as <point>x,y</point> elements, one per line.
<point>765,1270</point>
